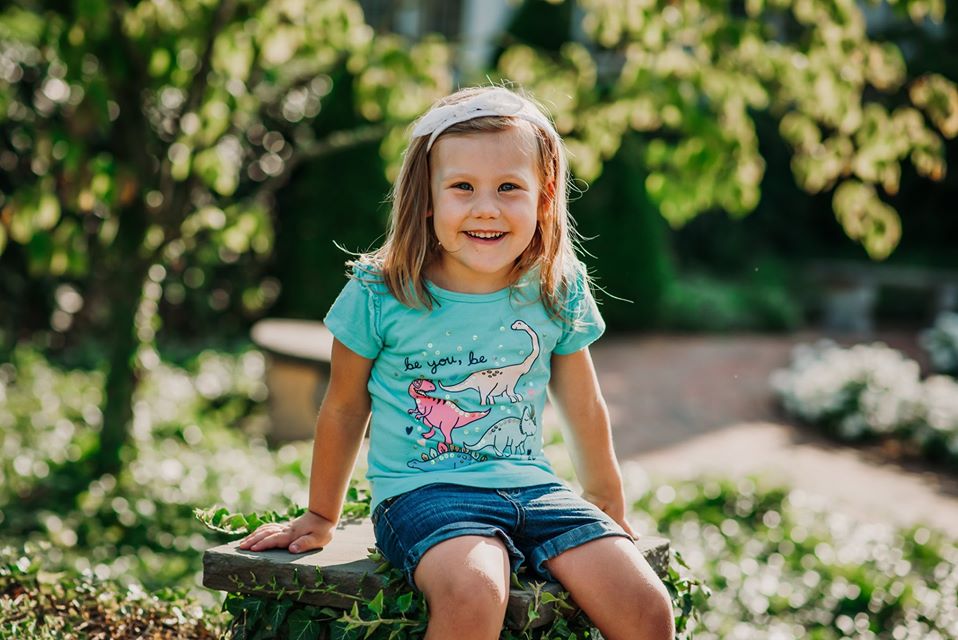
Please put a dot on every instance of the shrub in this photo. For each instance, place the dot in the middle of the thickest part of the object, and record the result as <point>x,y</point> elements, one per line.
<point>699,303</point>
<point>941,342</point>
<point>869,391</point>
<point>185,450</point>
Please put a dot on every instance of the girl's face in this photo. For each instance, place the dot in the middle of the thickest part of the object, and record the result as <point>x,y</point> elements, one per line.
<point>486,197</point>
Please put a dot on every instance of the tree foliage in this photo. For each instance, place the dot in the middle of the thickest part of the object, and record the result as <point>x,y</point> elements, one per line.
<point>193,112</point>
<point>690,76</point>
<point>154,134</point>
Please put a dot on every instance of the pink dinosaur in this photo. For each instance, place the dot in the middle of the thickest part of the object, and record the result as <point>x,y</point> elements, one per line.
<point>439,414</point>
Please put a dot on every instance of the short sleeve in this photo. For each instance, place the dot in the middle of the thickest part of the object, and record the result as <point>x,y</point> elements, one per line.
<point>583,323</point>
<point>354,318</point>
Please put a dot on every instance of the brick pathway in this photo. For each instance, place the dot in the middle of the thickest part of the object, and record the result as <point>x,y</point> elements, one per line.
<point>682,406</point>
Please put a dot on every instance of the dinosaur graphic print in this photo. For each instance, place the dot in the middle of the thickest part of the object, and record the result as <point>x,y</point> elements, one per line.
<point>439,414</point>
<point>455,458</point>
<point>508,436</point>
<point>492,383</point>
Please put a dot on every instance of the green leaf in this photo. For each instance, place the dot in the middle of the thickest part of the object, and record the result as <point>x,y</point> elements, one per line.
<point>372,628</point>
<point>265,632</point>
<point>276,612</point>
<point>47,212</point>
<point>254,608</point>
<point>3,239</point>
<point>253,521</point>
<point>303,627</point>
<point>376,604</point>
<point>404,602</point>
<point>234,605</point>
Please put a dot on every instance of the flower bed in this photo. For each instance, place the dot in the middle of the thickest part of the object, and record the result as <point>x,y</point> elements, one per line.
<point>871,392</point>
<point>782,566</point>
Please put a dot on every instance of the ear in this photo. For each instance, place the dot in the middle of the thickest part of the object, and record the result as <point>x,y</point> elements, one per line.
<point>547,195</point>
<point>428,213</point>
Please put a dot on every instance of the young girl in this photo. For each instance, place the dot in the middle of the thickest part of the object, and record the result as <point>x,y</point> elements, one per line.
<point>450,335</point>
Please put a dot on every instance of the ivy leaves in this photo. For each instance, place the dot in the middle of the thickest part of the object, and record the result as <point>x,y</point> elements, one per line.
<point>256,618</point>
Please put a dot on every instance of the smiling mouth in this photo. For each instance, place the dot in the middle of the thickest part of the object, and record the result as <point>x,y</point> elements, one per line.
<point>485,235</point>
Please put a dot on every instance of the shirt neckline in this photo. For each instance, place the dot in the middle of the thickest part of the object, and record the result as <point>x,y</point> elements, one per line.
<point>459,296</point>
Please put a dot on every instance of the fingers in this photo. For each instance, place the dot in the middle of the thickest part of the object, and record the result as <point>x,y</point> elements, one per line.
<point>266,537</point>
<point>305,543</point>
<point>274,535</point>
<point>628,529</point>
<point>257,535</point>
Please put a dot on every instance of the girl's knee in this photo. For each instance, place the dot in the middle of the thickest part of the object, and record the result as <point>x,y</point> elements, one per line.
<point>664,615</point>
<point>655,615</point>
<point>470,572</point>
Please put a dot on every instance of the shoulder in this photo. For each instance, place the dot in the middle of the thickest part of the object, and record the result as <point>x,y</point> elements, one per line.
<point>575,288</point>
<point>367,275</point>
<point>582,321</point>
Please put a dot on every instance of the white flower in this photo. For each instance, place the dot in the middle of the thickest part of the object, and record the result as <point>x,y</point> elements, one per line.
<point>940,400</point>
<point>941,342</point>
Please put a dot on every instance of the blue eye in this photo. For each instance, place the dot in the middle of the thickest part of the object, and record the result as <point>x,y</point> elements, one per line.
<point>462,186</point>
<point>508,186</point>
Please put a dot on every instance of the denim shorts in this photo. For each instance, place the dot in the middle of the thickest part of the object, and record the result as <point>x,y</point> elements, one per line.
<point>535,523</point>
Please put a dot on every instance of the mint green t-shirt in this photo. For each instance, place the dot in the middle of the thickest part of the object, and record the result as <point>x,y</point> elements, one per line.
<point>458,391</point>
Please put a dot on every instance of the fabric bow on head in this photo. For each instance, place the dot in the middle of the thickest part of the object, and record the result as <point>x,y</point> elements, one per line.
<point>497,102</point>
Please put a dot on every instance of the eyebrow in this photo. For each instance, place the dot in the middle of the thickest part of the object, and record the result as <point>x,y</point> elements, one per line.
<point>465,175</point>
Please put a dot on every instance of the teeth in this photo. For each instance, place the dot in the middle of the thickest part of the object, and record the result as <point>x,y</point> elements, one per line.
<point>485,235</point>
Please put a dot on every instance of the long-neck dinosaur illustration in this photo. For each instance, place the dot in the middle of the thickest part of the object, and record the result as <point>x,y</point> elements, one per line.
<point>491,383</point>
<point>508,436</point>
<point>438,413</point>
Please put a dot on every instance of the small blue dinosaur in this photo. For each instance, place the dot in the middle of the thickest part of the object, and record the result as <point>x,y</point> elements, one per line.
<point>446,461</point>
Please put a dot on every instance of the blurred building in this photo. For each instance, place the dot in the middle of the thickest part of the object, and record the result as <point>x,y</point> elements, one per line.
<point>473,25</point>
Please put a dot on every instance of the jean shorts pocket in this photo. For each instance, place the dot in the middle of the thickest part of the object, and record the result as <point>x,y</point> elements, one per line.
<point>377,512</point>
<point>389,503</point>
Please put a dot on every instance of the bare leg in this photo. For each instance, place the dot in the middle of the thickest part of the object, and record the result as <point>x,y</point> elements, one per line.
<point>466,584</point>
<point>617,589</point>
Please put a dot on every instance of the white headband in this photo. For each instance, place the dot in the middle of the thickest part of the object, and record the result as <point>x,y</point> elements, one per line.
<point>496,102</point>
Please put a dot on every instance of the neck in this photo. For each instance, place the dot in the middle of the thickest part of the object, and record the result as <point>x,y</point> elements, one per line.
<point>443,279</point>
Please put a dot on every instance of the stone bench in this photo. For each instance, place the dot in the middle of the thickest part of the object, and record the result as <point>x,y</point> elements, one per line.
<point>344,563</point>
<point>297,372</point>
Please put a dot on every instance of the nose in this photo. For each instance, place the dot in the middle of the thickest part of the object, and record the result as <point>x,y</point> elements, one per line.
<point>486,205</point>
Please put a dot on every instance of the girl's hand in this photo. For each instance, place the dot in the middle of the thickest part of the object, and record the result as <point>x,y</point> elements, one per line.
<point>615,508</point>
<point>305,533</point>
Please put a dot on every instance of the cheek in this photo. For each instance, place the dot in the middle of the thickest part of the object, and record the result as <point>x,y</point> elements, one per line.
<point>444,225</point>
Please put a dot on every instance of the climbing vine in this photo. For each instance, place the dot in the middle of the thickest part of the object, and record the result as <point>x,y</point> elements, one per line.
<point>270,610</point>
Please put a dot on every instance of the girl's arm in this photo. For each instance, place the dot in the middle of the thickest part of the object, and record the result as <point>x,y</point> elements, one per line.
<point>574,389</point>
<point>339,431</point>
<point>339,434</point>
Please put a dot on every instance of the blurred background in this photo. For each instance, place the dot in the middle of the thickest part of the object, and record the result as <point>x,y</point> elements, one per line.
<point>750,177</point>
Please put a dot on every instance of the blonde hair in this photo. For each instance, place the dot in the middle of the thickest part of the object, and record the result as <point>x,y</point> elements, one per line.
<point>411,243</point>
